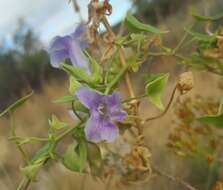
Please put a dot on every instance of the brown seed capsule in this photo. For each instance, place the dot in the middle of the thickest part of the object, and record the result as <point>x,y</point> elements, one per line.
<point>185,82</point>
<point>218,186</point>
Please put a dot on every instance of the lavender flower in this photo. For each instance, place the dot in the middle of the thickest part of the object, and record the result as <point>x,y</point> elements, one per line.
<point>69,47</point>
<point>105,111</point>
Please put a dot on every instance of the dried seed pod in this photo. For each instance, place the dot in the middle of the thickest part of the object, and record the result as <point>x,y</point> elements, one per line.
<point>218,186</point>
<point>139,158</point>
<point>185,82</point>
<point>137,164</point>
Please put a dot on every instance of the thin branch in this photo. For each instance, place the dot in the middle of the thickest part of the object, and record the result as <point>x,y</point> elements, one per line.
<point>127,76</point>
<point>75,112</point>
<point>134,98</point>
<point>167,107</point>
<point>77,9</point>
<point>174,179</point>
<point>13,134</point>
<point>116,79</point>
<point>24,184</point>
<point>220,109</point>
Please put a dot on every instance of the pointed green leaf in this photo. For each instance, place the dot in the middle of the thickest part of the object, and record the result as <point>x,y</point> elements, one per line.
<point>201,37</point>
<point>45,152</point>
<point>55,123</point>
<point>81,75</point>
<point>17,104</point>
<point>64,99</point>
<point>208,18</point>
<point>79,107</point>
<point>155,86</point>
<point>42,154</point>
<point>78,132</point>
<point>74,85</point>
<point>77,72</point>
<point>215,120</point>
<point>137,37</point>
<point>38,160</point>
<point>75,157</point>
<point>97,71</point>
<point>135,25</point>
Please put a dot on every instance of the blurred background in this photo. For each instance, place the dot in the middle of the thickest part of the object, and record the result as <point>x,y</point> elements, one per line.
<point>26,28</point>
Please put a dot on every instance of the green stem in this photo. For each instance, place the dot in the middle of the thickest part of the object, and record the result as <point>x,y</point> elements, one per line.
<point>75,112</point>
<point>25,182</point>
<point>166,109</point>
<point>180,44</point>
<point>13,134</point>
<point>68,131</point>
<point>134,98</point>
<point>29,139</point>
<point>220,109</point>
<point>212,174</point>
<point>116,80</point>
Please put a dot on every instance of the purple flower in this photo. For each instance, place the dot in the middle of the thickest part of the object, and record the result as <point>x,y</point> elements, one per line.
<point>105,111</point>
<point>69,47</point>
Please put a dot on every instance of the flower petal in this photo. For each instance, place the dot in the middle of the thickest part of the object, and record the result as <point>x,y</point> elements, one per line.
<point>58,50</point>
<point>114,100</point>
<point>79,31</point>
<point>90,98</point>
<point>80,35</point>
<point>114,103</point>
<point>118,115</point>
<point>93,129</point>
<point>98,129</point>
<point>109,131</point>
<point>57,57</point>
<point>77,56</point>
<point>59,43</point>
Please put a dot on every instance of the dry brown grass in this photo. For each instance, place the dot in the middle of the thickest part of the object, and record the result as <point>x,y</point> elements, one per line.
<point>32,118</point>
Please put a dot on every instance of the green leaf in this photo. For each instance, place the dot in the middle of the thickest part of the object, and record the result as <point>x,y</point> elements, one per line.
<point>97,71</point>
<point>155,86</point>
<point>38,160</point>
<point>137,37</point>
<point>208,18</point>
<point>135,25</point>
<point>215,120</point>
<point>79,107</point>
<point>16,105</point>
<point>81,74</point>
<point>134,63</point>
<point>200,62</point>
<point>42,154</point>
<point>120,40</point>
<point>77,72</point>
<point>31,171</point>
<point>78,132</point>
<point>75,157</point>
<point>74,85</point>
<point>64,99</point>
<point>201,37</point>
<point>45,152</point>
<point>55,123</point>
